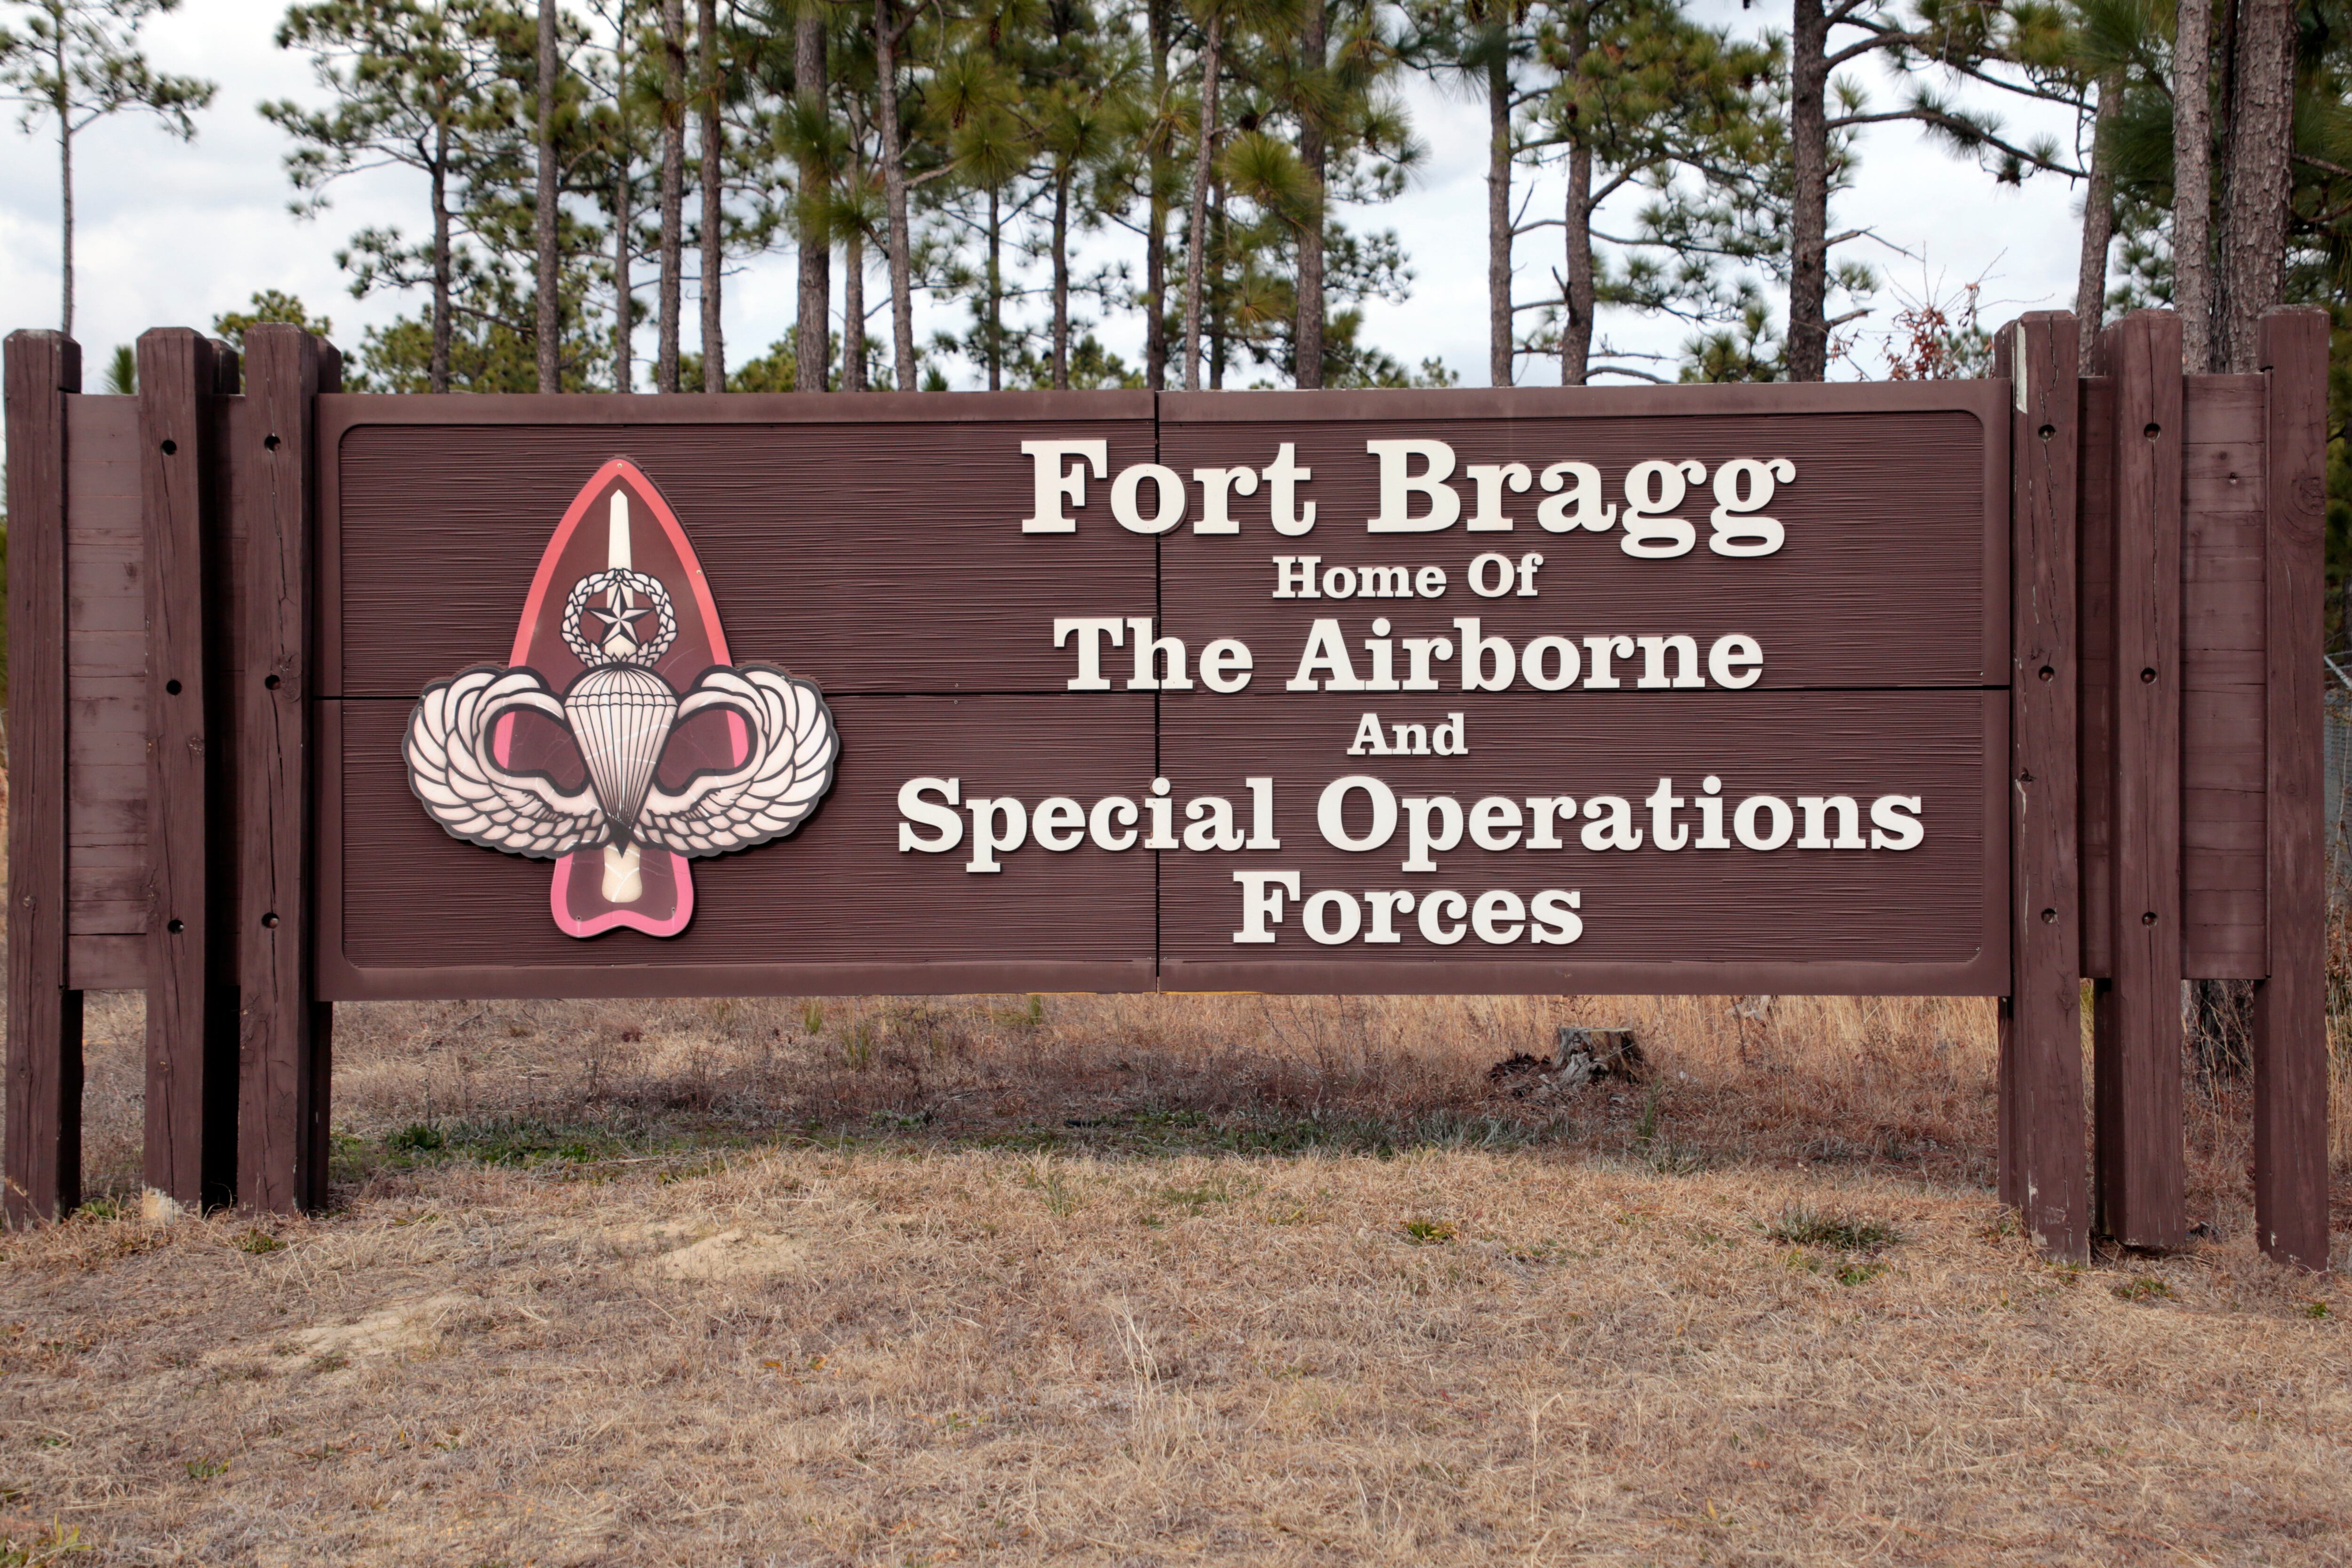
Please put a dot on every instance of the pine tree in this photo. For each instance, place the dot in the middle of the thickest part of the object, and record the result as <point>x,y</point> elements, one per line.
<point>419,84</point>
<point>74,62</point>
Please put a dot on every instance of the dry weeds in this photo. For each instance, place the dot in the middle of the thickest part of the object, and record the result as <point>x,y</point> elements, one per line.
<point>1136,1280</point>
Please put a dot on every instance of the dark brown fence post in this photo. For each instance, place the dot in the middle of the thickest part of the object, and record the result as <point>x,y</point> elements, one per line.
<point>2290,1007</point>
<point>191,1060</point>
<point>2137,1095</point>
<point>43,1178</point>
<point>2042,1155</point>
<point>285,1032</point>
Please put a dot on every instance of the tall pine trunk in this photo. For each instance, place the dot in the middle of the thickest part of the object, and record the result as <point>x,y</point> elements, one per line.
<point>1808,213</point>
<point>1155,240</point>
<point>853,306</point>
<point>1498,211</point>
<point>548,326</point>
<point>2192,183</point>
<point>813,351</point>
<point>887,37</point>
<point>625,326</point>
<point>2098,221</point>
<point>1062,278</point>
<point>65,178</point>
<point>714,211</point>
<point>996,292</point>
<point>673,192</point>
<point>1314,157</point>
<point>2254,212</point>
<point>1220,247</point>
<point>1576,326</point>
<point>1196,241</point>
<point>437,371</point>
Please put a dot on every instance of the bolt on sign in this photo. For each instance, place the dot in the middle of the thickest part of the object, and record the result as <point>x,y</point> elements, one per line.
<point>1856,689</point>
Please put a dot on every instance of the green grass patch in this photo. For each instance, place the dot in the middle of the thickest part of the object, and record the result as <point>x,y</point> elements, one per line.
<point>1813,1227</point>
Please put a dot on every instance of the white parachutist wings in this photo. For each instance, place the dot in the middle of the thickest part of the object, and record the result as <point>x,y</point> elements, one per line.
<point>793,750</point>
<point>453,773</point>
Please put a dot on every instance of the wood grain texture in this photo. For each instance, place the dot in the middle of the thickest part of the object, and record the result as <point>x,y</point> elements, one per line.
<point>2290,1007</point>
<point>2141,1172</point>
<point>2221,665</point>
<point>871,556</point>
<point>2043,1155</point>
<point>2222,639</point>
<point>835,905</point>
<point>106,676</point>
<point>1896,529</point>
<point>2096,633</point>
<point>97,963</point>
<point>191,1107</point>
<point>1930,919</point>
<point>42,1176</point>
<point>285,1035</point>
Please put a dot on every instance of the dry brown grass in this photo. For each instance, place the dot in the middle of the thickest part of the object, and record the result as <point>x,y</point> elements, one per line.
<point>1150,1279</point>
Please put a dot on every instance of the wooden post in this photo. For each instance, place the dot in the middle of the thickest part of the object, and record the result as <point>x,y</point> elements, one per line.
<point>43,1177</point>
<point>2138,1095</point>
<point>285,1036</point>
<point>2290,1007</point>
<point>2042,1154</point>
<point>191,1062</point>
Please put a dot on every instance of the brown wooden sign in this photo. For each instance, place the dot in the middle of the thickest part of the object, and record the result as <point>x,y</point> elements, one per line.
<point>1431,692</point>
<point>1961,688</point>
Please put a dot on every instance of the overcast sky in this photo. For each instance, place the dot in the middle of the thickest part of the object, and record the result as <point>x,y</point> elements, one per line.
<point>172,234</point>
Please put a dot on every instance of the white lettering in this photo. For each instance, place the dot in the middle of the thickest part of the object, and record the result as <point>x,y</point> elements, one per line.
<point>1091,630</point>
<point>916,809</point>
<point>1735,662</point>
<point>1329,813</point>
<point>1737,529</point>
<point>1895,822</point>
<point>1213,483</point>
<point>1168,493</point>
<point>1054,484</point>
<point>1225,666</point>
<point>1499,916</point>
<point>1283,477</point>
<point>1609,824</point>
<point>1262,894</point>
<point>1437,908</point>
<point>1651,490</point>
<point>1313,917</point>
<point>1556,921</point>
<point>1058,823</point>
<point>1501,565</point>
<point>1476,651</point>
<point>1419,840</point>
<point>1816,809</point>
<point>1326,655</point>
<point>1151,656</point>
<point>1488,820</point>
<point>1554,514</point>
<point>1488,480</point>
<point>995,825</point>
<point>1743,821</point>
<point>1399,485</point>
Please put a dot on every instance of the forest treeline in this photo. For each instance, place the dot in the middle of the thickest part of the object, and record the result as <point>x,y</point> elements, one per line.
<point>587,174</point>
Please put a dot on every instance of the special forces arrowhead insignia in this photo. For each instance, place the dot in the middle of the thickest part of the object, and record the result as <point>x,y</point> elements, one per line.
<point>619,739</point>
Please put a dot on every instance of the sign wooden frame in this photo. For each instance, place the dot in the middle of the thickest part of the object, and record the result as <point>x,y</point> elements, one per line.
<point>190,669</point>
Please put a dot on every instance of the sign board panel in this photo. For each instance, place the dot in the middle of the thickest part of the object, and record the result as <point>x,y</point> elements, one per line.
<point>1697,689</point>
